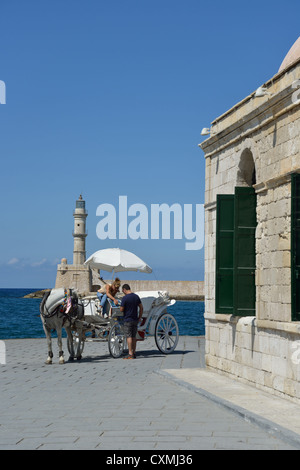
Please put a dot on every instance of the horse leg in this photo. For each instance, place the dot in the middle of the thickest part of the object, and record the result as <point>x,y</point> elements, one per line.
<point>70,342</point>
<point>80,341</point>
<point>49,342</point>
<point>59,342</point>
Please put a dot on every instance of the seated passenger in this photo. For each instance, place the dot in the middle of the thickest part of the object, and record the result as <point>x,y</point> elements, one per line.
<point>108,292</point>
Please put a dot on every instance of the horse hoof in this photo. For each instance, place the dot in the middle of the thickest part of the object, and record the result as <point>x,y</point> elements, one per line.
<point>71,358</point>
<point>61,361</point>
<point>49,361</point>
<point>79,358</point>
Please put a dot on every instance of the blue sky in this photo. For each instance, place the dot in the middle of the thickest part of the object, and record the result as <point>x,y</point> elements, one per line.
<point>108,98</point>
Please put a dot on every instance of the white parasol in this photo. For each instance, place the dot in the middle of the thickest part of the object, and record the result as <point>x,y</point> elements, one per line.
<point>117,260</point>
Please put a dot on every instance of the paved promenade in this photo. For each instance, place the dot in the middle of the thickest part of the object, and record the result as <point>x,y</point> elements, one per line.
<point>150,403</point>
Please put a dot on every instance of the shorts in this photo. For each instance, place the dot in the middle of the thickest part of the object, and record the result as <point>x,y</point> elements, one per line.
<point>130,328</point>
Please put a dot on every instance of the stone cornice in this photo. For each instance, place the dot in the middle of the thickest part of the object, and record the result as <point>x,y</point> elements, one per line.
<point>251,114</point>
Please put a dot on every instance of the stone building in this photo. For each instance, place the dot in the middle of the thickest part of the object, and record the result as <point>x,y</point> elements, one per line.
<point>252,236</point>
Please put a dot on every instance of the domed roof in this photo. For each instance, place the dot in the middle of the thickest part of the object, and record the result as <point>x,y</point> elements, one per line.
<point>292,55</point>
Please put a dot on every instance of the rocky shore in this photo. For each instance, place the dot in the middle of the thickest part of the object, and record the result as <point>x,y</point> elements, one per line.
<point>39,294</point>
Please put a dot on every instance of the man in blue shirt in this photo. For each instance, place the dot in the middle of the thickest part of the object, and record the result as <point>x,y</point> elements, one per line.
<point>130,305</point>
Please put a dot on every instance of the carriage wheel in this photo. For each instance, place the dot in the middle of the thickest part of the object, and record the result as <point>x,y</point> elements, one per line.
<point>78,346</point>
<point>166,333</point>
<point>116,340</point>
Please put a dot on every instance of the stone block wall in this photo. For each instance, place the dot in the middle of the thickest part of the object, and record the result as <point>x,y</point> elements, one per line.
<point>273,259</point>
<point>179,290</point>
<point>265,357</point>
<point>73,277</point>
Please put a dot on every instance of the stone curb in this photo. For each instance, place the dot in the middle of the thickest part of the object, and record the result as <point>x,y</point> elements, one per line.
<point>280,432</point>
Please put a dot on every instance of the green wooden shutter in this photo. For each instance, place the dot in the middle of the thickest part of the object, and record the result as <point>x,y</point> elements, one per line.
<point>235,252</point>
<point>295,247</point>
<point>244,251</point>
<point>224,253</point>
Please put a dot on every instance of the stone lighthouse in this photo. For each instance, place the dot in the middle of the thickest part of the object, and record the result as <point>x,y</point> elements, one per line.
<point>77,275</point>
<point>79,233</point>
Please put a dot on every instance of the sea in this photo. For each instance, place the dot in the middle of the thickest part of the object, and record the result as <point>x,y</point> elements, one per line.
<point>19,317</point>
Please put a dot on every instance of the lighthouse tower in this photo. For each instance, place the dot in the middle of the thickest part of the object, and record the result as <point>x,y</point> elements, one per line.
<point>79,233</point>
<point>77,275</point>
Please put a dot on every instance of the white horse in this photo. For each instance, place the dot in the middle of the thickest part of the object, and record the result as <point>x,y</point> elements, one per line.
<point>57,320</point>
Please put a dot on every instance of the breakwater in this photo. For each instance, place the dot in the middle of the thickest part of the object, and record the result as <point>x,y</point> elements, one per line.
<point>178,290</point>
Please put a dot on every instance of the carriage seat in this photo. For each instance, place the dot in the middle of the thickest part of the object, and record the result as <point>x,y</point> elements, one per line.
<point>148,299</point>
<point>152,298</point>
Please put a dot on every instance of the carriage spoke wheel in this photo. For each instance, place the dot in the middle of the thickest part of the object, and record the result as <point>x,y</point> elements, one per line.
<point>166,333</point>
<point>78,346</point>
<point>116,341</point>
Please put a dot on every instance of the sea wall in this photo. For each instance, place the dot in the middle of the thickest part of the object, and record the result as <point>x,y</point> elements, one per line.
<point>179,290</point>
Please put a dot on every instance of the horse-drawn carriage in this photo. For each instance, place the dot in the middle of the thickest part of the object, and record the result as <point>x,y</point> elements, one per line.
<point>80,317</point>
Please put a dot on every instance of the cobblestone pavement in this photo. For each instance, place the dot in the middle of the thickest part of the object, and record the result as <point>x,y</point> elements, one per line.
<point>115,404</point>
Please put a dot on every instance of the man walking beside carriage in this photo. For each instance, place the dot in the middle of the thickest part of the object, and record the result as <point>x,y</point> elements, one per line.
<point>132,308</point>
